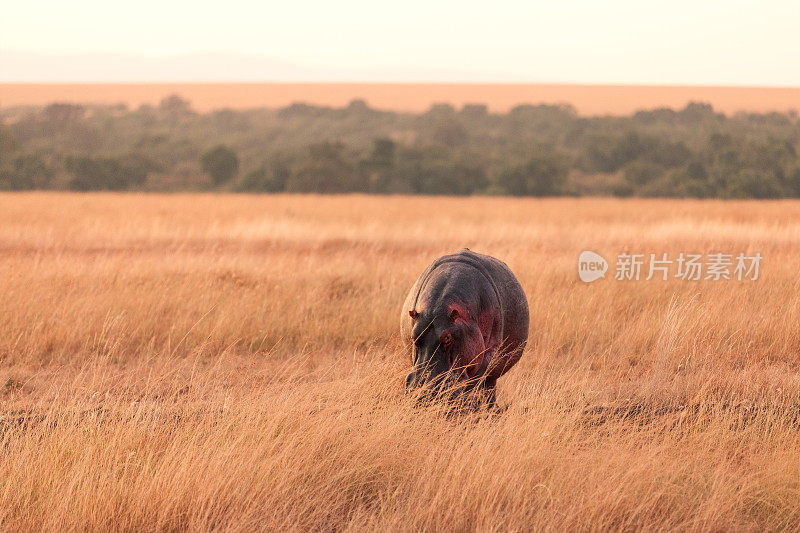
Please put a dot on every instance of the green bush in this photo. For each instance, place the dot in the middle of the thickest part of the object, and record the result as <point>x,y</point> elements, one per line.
<point>221,163</point>
<point>532,150</point>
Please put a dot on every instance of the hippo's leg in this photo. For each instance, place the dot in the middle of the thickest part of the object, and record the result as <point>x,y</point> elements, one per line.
<point>484,396</point>
<point>491,396</point>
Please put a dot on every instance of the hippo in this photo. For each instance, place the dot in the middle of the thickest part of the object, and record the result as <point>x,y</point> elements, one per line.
<point>465,324</point>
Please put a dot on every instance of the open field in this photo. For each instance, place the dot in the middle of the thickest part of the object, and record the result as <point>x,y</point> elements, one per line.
<point>209,361</point>
<point>410,97</point>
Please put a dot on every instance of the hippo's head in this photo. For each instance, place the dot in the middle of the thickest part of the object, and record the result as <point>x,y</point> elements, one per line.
<point>448,352</point>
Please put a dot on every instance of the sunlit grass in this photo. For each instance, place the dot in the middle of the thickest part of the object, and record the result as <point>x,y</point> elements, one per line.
<point>232,362</point>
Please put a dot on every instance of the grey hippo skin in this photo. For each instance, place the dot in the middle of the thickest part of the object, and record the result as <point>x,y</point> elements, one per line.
<point>465,324</point>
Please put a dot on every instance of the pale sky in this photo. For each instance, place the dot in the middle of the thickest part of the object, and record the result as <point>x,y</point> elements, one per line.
<point>731,42</point>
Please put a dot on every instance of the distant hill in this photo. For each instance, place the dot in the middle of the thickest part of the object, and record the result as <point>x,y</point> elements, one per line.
<point>407,97</point>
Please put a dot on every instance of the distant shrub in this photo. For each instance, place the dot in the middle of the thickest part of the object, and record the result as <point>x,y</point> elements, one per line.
<point>532,150</point>
<point>266,178</point>
<point>23,172</point>
<point>221,163</point>
<point>543,175</point>
<point>107,173</point>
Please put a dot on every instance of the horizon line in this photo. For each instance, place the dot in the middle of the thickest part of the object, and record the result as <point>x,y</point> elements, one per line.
<point>400,82</point>
<point>586,99</point>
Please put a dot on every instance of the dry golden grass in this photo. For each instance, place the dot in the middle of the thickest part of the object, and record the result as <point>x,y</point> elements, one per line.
<point>232,362</point>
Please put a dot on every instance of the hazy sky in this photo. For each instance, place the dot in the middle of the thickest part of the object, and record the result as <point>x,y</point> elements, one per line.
<point>730,42</point>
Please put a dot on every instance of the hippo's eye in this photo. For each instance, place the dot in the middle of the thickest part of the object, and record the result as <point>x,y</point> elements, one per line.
<point>446,340</point>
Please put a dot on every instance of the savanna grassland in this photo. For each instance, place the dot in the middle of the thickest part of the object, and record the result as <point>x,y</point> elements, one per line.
<point>233,362</point>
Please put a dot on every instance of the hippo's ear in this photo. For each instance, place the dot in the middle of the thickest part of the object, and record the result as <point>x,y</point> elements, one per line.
<point>413,314</point>
<point>458,312</point>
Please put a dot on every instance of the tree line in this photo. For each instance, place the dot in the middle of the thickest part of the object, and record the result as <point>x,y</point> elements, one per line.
<point>532,150</point>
